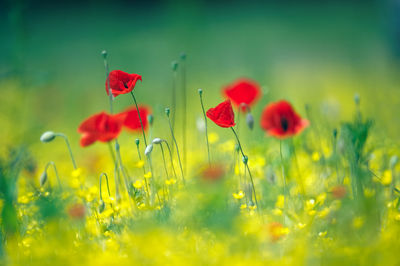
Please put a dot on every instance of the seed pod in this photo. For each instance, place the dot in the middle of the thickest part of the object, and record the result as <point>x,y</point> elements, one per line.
<point>43,178</point>
<point>245,159</point>
<point>150,118</point>
<point>200,91</point>
<point>47,136</point>
<point>250,120</point>
<point>393,161</point>
<point>137,141</point>
<point>237,147</point>
<point>102,206</point>
<point>157,141</point>
<point>148,150</point>
<point>167,111</point>
<point>174,65</point>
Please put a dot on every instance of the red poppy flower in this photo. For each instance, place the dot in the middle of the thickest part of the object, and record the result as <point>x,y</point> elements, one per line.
<point>242,91</point>
<point>99,127</point>
<point>131,119</point>
<point>280,120</point>
<point>121,82</point>
<point>222,114</point>
<point>213,172</point>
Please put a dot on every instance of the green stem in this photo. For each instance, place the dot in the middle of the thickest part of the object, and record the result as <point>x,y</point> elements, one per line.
<point>170,156</point>
<point>247,166</point>
<point>116,172</point>
<point>205,121</point>
<point>140,118</point>
<point>108,187</point>
<point>184,114</point>
<point>177,149</point>
<point>55,171</point>
<point>69,148</point>
<point>284,182</point>
<point>163,156</point>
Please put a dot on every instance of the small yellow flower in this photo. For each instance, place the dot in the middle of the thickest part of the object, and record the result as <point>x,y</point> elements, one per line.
<point>386,177</point>
<point>277,212</point>
<point>315,156</point>
<point>77,172</point>
<point>358,222</point>
<point>322,234</point>
<point>147,175</point>
<point>238,195</point>
<point>23,199</point>
<point>280,202</point>
<point>213,137</point>
<point>170,181</point>
<point>139,164</point>
<point>253,207</point>
<point>138,184</point>
<point>243,206</point>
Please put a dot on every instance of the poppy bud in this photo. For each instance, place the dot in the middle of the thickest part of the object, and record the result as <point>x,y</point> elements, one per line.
<point>174,65</point>
<point>150,118</point>
<point>183,56</point>
<point>200,91</point>
<point>148,150</point>
<point>137,141</point>
<point>104,53</point>
<point>245,159</point>
<point>102,206</point>
<point>357,98</point>
<point>335,133</point>
<point>237,147</point>
<point>116,146</point>
<point>43,178</point>
<point>250,120</point>
<point>393,161</point>
<point>47,136</point>
<point>167,111</point>
<point>157,141</point>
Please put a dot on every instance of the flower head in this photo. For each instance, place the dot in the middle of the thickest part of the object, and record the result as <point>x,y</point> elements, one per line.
<point>121,82</point>
<point>242,92</point>
<point>280,120</point>
<point>130,118</point>
<point>99,127</point>
<point>222,114</point>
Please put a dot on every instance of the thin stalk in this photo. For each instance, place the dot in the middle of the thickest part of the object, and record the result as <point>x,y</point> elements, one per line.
<point>152,176</point>
<point>116,172</point>
<point>205,122</point>
<point>184,107</point>
<point>170,156</point>
<point>247,166</point>
<point>300,180</point>
<point>144,171</point>
<point>108,187</point>
<point>140,118</point>
<point>163,157</point>
<point>69,148</point>
<point>177,149</point>
<point>284,183</point>
<point>55,171</point>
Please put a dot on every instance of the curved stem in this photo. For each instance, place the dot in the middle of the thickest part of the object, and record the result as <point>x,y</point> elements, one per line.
<point>55,171</point>
<point>69,148</point>
<point>108,187</point>
<point>170,156</point>
<point>140,118</point>
<point>177,149</point>
<point>247,166</point>
<point>205,121</point>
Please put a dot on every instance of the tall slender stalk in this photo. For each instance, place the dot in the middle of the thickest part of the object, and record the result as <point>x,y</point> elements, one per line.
<point>176,143</point>
<point>184,107</point>
<point>284,182</point>
<point>205,122</point>
<point>170,155</point>
<point>245,161</point>
<point>140,118</point>
<point>69,148</point>
<point>174,82</point>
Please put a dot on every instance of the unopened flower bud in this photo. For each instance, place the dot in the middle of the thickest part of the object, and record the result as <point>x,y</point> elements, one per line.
<point>183,56</point>
<point>357,98</point>
<point>174,65</point>
<point>245,159</point>
<point>137,141</point>
<point>104,53</point>
<point>250,120</point>
<point>102,206</point>
<point>148,150</point>
<point>335,133</point>
<point>47,136</point>
<point>200,91</point>
<point>43,178</point>
<point>157,141</point>
<point>167,111</point>
<point>237,147</point>
<point>393,161</point>
<point>150,118</point>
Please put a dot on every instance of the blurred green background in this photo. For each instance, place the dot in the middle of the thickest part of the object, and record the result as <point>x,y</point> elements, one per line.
<point>316,52</point>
